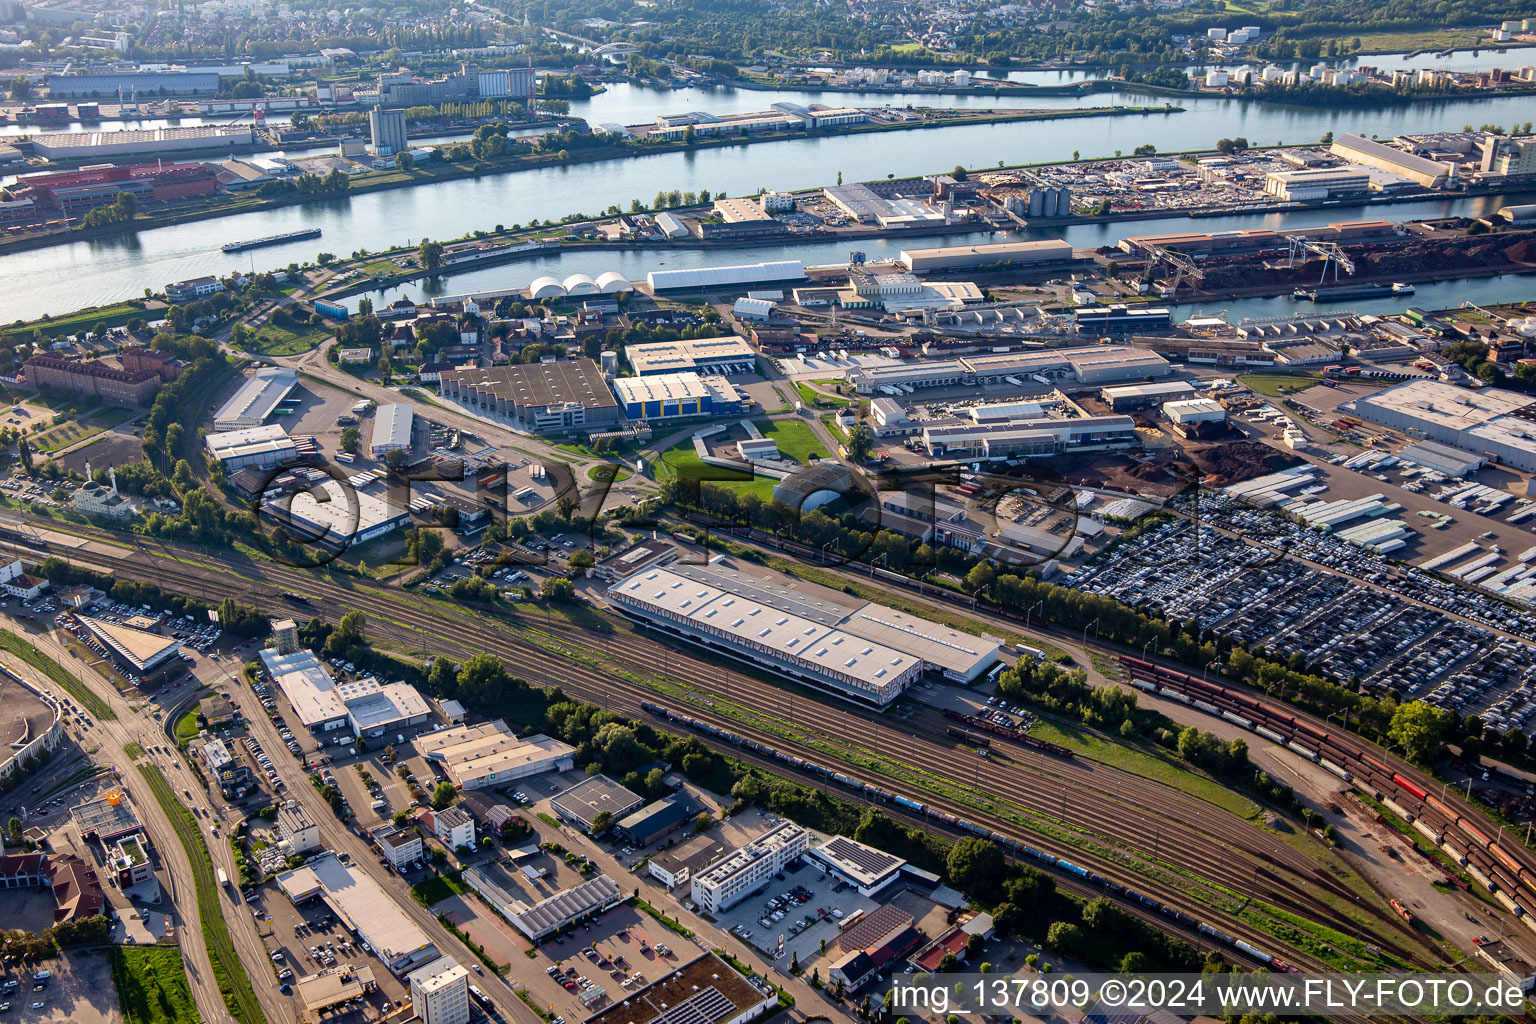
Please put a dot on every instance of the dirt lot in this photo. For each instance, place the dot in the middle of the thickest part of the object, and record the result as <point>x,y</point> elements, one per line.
<point>501,942</point>
<point>112,448</point>
<point>31,909</point>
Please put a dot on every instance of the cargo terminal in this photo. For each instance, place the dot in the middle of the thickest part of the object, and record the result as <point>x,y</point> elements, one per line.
<point>857,650</point>
<point>1492,422</point>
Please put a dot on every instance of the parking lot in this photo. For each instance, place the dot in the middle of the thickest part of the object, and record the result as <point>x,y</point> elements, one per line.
<point>622,950</point>
<point>799,909</point>
<point>77,989</point>
<point>1353,621</point>
<point>306,939</point>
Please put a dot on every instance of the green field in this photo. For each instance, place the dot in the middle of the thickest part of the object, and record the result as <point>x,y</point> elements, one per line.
<point>81,320</point>
<point>273,340</point>
<point>795,437</point>
<point>152,985</point>
<point>1276,385</point>
<point>228,972</point>
<point>13,644</point>
<point>608,473</point>
<point>810,396</point>
<point>435,890</point>
<point>64,435</point>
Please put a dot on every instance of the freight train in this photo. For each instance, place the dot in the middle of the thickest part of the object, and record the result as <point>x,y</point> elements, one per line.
<point>1009,843</point>
<point>1312,742</point>
<point>968,737</point>
<point>1009,732</point>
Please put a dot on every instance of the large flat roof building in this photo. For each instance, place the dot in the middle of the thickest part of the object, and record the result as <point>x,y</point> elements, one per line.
<point>364,907</point>
<point>332,515</point>
<point>723,355</point>
<point>105,820</point>
<point>548,916</point>
<point>1368,152</point>
<point>674,395</point>
<point>868,869</point>
<point>391,429</point>
<point>256,399</point>
<point>553,396</point>
<point>138,649</point>
<point>854,649</point>
<point>583,803</point>
<point>1492,422</point>
<point>260,447</point>
<point>955,257</point>
<point>1086,364</point>
<point>309,687</point>
<point>489,754</point>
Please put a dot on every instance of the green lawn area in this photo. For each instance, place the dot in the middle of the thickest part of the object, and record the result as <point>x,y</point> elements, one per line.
<point>228,972</point>
<point>810,396</point>
<point>186,727</point>
<point>1147,765</point>
<point>795,437</point>
<point>1276,385</point>
<point>273,340</point>
<point>1431,39</point>
<point>65,434</point>
<point>435,890</point>
<point>152,985</point>
<point>13,644</point>
<point>606,473</point>
<point>81,320</point>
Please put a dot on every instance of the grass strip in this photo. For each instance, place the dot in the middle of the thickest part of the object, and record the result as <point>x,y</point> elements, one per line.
<point>152,985</point>
<point>228,972</point>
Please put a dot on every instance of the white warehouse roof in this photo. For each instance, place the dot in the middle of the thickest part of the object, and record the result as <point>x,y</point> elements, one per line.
<point>256,399</point>
<point>719,277</point>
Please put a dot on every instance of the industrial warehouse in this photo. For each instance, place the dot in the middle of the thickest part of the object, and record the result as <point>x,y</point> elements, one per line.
<point>364,907</point>
<point>544,396</point>
<point>1491,422</point>
<point>858,650</point>
<point>1091,365</point>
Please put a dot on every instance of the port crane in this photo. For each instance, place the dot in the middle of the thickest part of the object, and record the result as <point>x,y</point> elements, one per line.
<point>1333,256</point>
<point>1182,264</point>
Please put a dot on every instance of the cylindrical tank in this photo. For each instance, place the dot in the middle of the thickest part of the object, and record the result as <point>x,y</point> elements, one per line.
<point>1063,201</point>
<point>1036,202</point>
<point>610,361</point>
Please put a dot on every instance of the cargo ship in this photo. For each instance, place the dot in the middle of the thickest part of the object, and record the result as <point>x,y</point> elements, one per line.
<point>257,243</point>
<point>1344,292</point>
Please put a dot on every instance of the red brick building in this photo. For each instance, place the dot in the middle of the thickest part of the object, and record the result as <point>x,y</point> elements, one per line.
<point>82,377</point>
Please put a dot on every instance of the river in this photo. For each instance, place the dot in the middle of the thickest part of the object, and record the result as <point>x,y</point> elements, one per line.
<point>65,277</point>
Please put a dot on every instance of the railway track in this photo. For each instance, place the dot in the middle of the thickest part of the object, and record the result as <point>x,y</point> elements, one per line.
<point>1195,874</point>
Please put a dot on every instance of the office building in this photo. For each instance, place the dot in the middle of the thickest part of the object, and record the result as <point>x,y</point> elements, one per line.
<point>386,131</point>
<point>440,992</point>
<point>297,829</point>
<point>399,844</point>
<point>738,875</point>
<point>453,827</point>
<point>864,867</point>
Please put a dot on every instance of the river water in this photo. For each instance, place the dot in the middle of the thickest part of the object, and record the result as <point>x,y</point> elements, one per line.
<point>62,278</point>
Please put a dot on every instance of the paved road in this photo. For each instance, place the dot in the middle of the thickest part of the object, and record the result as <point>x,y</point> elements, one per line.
<point>113,737</point>
<point>339,838</point>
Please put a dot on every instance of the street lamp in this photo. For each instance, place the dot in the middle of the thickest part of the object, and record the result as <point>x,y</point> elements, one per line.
<point>1094,625</point>
<point>1032,607</point>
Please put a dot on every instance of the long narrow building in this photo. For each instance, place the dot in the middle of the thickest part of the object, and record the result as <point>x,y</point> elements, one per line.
<point>853,649</point>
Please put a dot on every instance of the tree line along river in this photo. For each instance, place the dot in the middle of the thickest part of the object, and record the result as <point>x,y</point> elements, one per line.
<point>60,278</point>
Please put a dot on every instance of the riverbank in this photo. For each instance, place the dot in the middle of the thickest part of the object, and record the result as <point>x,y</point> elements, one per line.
<point>438,172</point>
<point>1269,291</point>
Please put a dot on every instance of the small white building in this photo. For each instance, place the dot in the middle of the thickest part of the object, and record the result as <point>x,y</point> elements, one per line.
<point>453,827</point>
<point>440,992</point>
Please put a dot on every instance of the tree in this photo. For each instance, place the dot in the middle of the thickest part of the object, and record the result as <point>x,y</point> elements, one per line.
<point>21,88</point>
<point>350,439</point>
<point>601,823</point>
<point>861,443</point>
<point>1146,150</point>
<point>404,161</point>
<point>443,794</point>
<point>396,458</point>
<point>430,254</point>
<point>557,588</point>
<point>959,173</point>
<point>976,868</point>
<point>1421,729</point>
